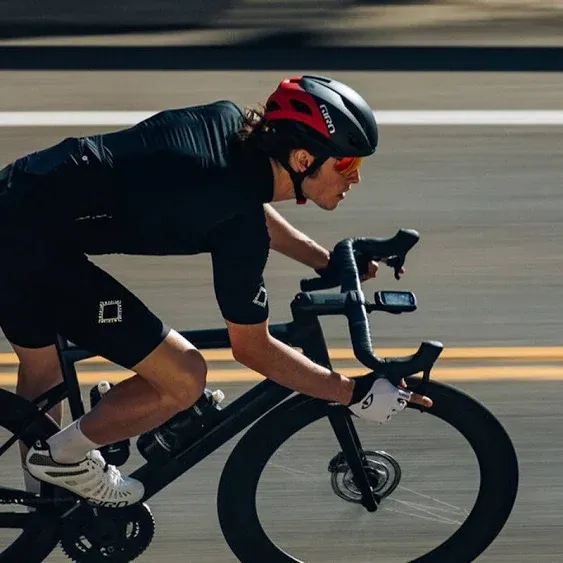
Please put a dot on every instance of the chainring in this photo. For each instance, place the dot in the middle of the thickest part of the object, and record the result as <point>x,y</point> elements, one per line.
<point>116,535</point>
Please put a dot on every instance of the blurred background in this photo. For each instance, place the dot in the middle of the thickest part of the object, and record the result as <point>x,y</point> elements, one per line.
<point>487,200</point>
<point>322,22</point>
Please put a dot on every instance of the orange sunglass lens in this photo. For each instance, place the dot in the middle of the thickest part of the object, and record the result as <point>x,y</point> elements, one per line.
<point>348,164</point>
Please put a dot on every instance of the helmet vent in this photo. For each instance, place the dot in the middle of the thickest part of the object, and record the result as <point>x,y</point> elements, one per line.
<point>301,107</point>
<point>272,106</point>
<point>353,141</point>
<point>352,109</point>
<point>324,79</point>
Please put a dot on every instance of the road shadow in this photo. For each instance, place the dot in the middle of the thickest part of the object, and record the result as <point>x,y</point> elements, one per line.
<point>277,56</point>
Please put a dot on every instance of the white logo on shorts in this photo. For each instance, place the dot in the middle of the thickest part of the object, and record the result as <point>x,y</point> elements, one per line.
<point>261,298</point>
<point>110,312</point>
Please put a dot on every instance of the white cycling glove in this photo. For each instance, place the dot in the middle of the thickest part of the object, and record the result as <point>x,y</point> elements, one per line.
<point>382,401</point>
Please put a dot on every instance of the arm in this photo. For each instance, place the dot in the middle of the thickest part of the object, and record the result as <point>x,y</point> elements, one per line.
<point>254,347</point>
<point>243,300</point>
<point>292,243</point>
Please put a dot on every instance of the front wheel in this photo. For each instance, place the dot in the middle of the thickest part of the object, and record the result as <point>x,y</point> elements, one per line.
<point>448,479</point>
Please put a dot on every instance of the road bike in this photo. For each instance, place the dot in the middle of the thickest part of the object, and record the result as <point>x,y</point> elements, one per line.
<point>361,481</point>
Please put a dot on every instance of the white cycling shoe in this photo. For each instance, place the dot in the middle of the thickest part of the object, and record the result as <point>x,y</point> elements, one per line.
<point>382,402</point>
<point>92,478</point>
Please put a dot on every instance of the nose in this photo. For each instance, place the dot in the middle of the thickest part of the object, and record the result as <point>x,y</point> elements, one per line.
<point>355,177</point>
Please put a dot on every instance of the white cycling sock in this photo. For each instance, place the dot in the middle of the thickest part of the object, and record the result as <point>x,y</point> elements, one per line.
<point>70,445</point>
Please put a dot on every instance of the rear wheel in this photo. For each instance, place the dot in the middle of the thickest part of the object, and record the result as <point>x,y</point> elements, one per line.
<point>457,436</point>
<point>25,535</point>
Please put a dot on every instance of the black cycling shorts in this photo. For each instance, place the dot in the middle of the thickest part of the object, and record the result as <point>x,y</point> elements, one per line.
<point>48,289</point>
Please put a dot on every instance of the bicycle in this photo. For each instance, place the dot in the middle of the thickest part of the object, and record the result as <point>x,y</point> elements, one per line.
<point>361,477</point>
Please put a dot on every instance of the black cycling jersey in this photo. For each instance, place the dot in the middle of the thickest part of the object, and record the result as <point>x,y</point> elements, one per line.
<point>174,183</point>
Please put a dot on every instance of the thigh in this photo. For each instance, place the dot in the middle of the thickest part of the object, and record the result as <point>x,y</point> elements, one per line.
<point>48,289</point>
<point>26,312</point>
<point>29,257</point>
<point>99,314</point>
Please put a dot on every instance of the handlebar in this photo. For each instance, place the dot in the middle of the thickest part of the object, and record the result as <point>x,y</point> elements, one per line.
<point>392,250</point>
<point>352,303</point>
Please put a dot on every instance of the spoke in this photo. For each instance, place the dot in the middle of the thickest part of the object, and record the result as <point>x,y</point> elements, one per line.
<point>432,498</point>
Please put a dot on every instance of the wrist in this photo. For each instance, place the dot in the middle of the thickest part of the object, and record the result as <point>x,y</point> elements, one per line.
<point>322,261</point>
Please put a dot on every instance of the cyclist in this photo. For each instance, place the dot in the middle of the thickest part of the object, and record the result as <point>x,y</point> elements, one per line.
<point>184,181</point>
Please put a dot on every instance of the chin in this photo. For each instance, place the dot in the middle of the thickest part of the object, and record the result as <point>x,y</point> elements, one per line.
<point>327,205</point>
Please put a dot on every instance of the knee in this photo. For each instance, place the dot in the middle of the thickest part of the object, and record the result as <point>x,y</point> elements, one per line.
<point>196,366</point>
<point>194,376</point>
<point>177,370</point>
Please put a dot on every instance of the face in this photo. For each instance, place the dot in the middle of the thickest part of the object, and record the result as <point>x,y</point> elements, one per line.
<point>330,185</point>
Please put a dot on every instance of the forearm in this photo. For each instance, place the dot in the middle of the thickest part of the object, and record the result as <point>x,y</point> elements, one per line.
<point>284,365</point>
<point>292,243</point>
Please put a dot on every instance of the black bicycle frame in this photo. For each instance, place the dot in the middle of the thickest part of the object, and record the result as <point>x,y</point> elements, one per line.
<point>304,332</point>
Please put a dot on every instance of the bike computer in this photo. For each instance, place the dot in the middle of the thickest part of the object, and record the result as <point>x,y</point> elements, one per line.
<point>394,301</point>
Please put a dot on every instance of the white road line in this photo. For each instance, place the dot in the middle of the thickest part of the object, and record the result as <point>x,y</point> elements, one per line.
<point>407,117</point>
<point>70,118</point>
<point>471,117</point>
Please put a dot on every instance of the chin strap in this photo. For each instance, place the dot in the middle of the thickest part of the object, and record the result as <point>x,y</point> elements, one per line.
<point>298,177</point>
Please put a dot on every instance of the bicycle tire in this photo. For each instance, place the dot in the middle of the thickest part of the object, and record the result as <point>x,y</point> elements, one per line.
<point>41,534</point>
<point>498,467</point>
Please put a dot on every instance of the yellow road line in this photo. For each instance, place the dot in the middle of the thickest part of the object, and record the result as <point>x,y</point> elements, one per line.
<point>543,353</point>
<point>482,373</point>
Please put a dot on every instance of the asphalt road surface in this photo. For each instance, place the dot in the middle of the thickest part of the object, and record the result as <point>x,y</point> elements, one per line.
<point>298,507</point>
<point>486,200</point>
<point>488,204</point>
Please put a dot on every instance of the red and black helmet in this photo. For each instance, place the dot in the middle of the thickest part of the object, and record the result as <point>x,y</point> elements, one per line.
<point>333,115</point>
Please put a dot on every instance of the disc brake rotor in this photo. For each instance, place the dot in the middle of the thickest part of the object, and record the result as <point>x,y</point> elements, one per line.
<point>383,472</point>
<point>116,535</point>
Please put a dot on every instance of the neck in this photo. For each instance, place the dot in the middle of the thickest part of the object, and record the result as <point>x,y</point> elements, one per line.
<point>283,186</point>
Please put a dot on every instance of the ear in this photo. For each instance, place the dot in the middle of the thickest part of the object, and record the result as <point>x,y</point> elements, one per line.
<point>300,159</point>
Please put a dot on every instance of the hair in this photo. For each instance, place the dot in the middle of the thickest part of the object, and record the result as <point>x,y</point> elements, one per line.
<point>276,141</point>
<point>251,121</point>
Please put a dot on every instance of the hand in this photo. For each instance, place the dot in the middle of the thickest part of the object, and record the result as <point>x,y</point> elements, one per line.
<point>383,400</point>
<point>422,400</point>
<point>372,268</point>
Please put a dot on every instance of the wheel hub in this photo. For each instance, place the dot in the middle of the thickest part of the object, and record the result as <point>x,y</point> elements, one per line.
<point>382,470</point>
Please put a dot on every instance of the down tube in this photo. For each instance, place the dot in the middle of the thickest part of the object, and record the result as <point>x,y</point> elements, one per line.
<point>237,416</point>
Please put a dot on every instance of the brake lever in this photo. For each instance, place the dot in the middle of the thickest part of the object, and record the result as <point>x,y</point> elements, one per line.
<point>396,262</point>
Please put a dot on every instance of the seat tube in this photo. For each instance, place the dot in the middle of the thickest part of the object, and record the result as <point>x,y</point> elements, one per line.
<point>70,378</point>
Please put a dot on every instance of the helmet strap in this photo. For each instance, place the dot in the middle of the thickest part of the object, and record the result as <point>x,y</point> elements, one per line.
<point>298,177</point>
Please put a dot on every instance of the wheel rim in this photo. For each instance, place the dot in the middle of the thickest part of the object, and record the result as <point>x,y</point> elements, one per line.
<point>316,411</point>
<point>38,529</point>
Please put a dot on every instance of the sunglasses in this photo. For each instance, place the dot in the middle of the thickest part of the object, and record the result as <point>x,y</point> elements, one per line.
<point>348,164</point>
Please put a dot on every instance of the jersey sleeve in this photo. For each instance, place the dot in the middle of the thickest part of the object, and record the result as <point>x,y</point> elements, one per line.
<point>239,250</point>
